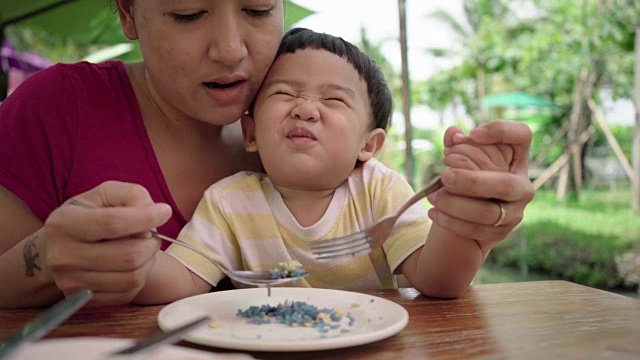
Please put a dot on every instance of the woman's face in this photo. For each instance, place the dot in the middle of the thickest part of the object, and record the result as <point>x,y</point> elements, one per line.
<point>205,59</point>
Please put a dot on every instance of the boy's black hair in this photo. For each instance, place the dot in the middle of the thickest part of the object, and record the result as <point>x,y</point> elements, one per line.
<point>377,89</point>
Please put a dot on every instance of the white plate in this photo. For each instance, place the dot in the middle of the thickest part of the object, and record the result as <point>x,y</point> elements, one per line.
<point>375,319</point>
<point>94,348</point>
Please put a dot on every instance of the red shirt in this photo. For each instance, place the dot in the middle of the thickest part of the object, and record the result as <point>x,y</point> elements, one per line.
<point>71,127</point>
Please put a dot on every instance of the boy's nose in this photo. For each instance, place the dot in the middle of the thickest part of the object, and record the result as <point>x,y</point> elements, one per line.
<point>306,109</point>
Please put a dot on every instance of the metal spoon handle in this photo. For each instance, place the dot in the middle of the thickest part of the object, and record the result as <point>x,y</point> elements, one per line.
<point>199,252</point>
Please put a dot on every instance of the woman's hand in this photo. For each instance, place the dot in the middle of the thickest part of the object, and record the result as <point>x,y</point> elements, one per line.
<point>105,247</point>
<point>468,205</point>
<point>461,152</point>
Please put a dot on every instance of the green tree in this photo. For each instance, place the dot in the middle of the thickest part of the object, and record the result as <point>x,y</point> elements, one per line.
<point>570,53</point>
<point>563,50</point>
<point>476,50</point>
<point>374,50</point>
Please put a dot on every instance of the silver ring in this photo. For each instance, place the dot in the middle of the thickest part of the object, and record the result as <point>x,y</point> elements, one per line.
<point>502,214</point>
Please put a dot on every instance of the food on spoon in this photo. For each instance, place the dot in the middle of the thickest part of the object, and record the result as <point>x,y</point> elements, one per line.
<point>288,269</point>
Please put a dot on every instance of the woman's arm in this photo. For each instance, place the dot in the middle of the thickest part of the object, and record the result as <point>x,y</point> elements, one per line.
<point>23,280</point>
<point>464,187</point>
<point>106,248</point>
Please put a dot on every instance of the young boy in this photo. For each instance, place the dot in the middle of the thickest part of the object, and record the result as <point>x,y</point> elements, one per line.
<point>317,122</point>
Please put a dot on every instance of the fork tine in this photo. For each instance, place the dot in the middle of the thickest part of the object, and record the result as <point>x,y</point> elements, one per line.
<point>362,248</point>
<point>362,242</point>
<point>352,248</point>
<point>328,243</point>
<point>342,245</point>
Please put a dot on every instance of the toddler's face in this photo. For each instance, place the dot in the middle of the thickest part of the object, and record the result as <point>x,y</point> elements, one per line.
<point>311,120</point>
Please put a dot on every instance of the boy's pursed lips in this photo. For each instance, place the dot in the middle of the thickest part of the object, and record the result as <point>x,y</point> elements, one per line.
<point>300,132</point>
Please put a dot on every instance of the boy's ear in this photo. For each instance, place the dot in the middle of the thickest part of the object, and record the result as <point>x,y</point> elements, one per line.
<point>248,133</point>
<point>127,20</point>
<point>372,145</point>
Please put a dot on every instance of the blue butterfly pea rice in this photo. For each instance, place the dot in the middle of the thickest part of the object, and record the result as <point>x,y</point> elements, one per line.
<point>296,313</point>
<point>287,269</point>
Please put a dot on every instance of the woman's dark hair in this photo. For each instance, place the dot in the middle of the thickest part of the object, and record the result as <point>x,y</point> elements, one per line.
<point>377,89</point>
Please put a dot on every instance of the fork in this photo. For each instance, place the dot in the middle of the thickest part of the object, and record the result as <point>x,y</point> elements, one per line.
<point>248,277</point>
<point>366,240</point>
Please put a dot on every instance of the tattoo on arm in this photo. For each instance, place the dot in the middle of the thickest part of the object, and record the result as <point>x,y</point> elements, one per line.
<point>30,254</point>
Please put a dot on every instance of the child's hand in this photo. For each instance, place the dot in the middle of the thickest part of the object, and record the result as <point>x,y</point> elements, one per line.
<point>463,153</point>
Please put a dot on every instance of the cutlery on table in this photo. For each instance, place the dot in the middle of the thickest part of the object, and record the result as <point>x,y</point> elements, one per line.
<point>45,322</point>
<point>248,277</point>
<point>366,240</point>
<point>159,339</point>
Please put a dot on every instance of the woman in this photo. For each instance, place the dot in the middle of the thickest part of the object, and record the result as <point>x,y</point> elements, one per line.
<point>143,141</point>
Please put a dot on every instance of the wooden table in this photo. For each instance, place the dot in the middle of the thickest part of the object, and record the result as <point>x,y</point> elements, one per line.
<point>527,320</point>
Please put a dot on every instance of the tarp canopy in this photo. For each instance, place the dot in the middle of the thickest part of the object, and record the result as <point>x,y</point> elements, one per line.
<point>67,18</point>
<point>516,99</point>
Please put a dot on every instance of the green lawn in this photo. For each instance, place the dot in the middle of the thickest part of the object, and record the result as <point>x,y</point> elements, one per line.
<point>577,240</point>
<point>596,212</point>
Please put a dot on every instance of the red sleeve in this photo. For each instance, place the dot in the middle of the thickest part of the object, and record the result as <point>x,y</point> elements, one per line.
<point>38,134</point>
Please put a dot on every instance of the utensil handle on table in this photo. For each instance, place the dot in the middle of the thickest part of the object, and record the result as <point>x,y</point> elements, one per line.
<point>45,322</point>
<point>162,338</point>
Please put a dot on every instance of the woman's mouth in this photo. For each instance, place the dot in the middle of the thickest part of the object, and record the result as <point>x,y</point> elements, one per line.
<point>225,92</point>
<point>216,85</point>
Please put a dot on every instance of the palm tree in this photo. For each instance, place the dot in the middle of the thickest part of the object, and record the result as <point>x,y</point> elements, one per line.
<point>482,18</point>
<point>374,50</point>
<point>406,91</point>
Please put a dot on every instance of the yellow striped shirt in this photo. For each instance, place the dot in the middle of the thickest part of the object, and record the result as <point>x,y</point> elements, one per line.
<point>244,223</point>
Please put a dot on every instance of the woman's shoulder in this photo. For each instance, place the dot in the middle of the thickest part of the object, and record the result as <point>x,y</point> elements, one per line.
<point>85,67</point>
<point>78,69</point>
<point>101,76</point>
<point>64,80</point>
